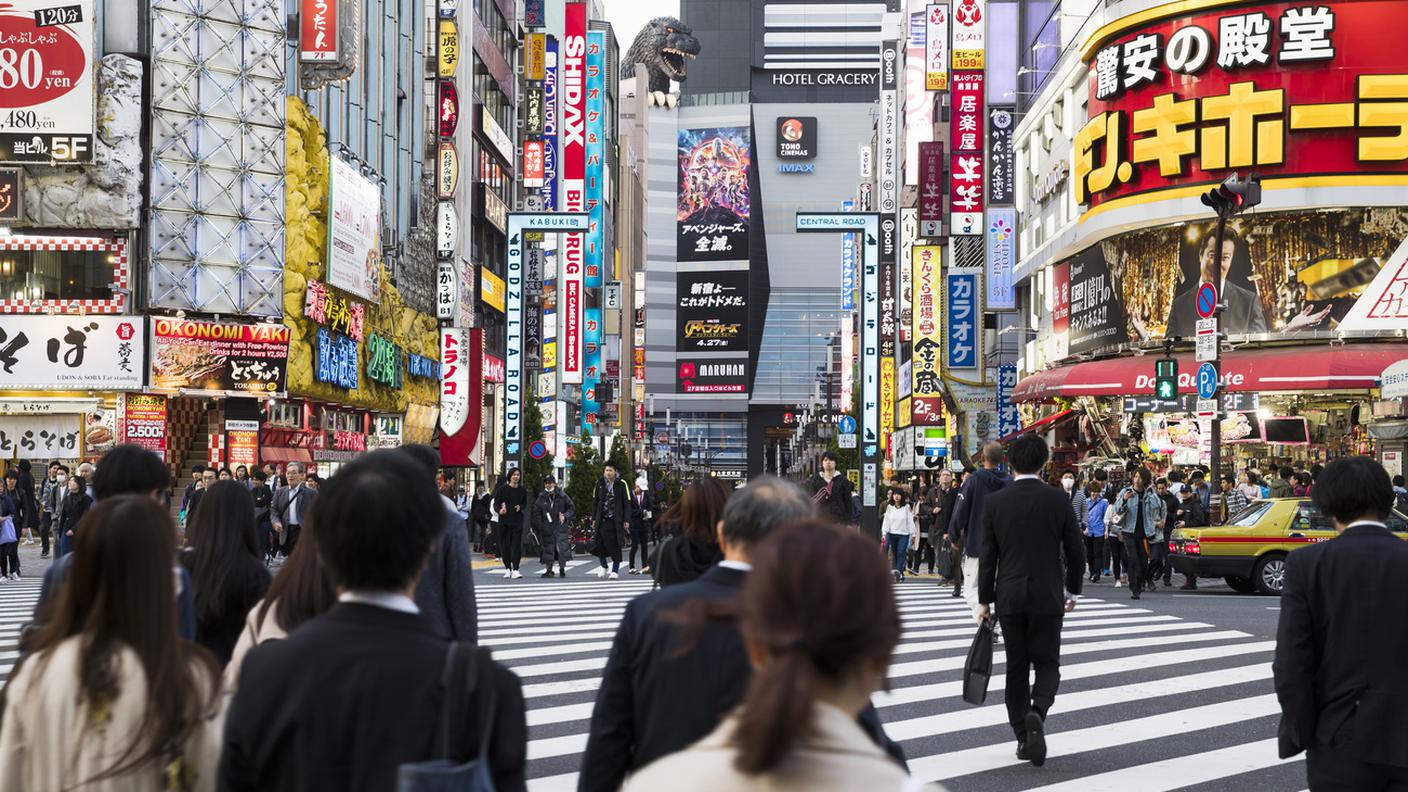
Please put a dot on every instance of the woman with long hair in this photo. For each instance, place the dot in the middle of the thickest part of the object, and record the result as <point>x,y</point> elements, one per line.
<point>74,505</point>
<point>107,696</point>
<point>692,546</point>
<point>820,623</point>
<point>301,591</point>
<point>511,501</point>
<point>900,527</point>
<point>227,573</point>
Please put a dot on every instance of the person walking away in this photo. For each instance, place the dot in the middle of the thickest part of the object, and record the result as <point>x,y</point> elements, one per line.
<point>966,526</point>
<point>1139,512</point>
<point>821,645</point>
<point>479,516</point>
<point>263,501</point>
<point>1190,514</point>
<point>1026,527</point>
<point>1159,566</point>
<point>29,500</point>
<point>641,507</point>
<point>107,696</point>
<point>49,493</point>
<point>511,504</point>
<point>1079,506</point>
<point>831,491</point>
<point>1095,531</point>
<point>927,509</point>
<point>1339,659</point>
<point>222,556</point>
<point>664,688</point>
<point>1280,484</point>
<point>290,507</point>
<point>445,591</point>
<point>75,504</point>
<point>351,695</point>
<point>610,510</point>
<point>554,514</point>
<point>899,527</point>
<point>692,547</point>
<point>9,539</point>
<point>1233,500</point>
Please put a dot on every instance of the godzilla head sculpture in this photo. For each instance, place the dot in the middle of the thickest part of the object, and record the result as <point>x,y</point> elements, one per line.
<point>663,45</point>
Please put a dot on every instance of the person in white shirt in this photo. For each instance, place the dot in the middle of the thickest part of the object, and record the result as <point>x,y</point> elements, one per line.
<point>901,527</point>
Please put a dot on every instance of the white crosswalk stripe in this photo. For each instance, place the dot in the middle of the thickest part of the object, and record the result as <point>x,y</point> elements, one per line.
<point>17,599</point>
<point>1131,677</point>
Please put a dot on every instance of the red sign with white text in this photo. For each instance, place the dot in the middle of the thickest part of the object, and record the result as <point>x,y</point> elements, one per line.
<point>966,130</point>
<point>532,163</point>
<point>462,393</point>
<point>493,368</point>
<point>317,39</point>
<point>1290,89</point>
<point>931,189</point>
<point>574,168</point>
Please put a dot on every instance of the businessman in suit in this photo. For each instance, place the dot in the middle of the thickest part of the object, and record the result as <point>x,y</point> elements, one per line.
<point>1342,639</point>
<point>352,694</point>
<point>290,507</point>
<point>658,695</point>
<point>1243,313</point>
<point>1026,526</point>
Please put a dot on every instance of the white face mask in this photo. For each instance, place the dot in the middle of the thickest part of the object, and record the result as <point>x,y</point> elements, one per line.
<point>1068,483</point>
<point>62,478</point>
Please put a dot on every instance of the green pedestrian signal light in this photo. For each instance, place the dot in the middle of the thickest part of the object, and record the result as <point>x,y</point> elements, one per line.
<point>1166,379</point>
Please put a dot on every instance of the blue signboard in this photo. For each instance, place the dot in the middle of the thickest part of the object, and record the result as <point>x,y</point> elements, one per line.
<point>848,425</point>
<point>337,359</point>
<point>1007,420</point>
<point>596,258</point>
<point>550,127</point>
<point>961,320</point>
<point>420,366</point>
<point>591,364</point>
<point>848,265</point>
<point>1207,381</point>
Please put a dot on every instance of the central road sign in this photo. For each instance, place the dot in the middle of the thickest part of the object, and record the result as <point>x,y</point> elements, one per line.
<point>1207,300</point>
<point>1207,381</point>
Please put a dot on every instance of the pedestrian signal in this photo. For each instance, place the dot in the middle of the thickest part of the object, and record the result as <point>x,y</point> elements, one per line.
<point>1166,379</point>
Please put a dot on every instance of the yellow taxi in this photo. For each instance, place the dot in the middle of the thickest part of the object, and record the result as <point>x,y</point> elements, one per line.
<point>1249,552</point>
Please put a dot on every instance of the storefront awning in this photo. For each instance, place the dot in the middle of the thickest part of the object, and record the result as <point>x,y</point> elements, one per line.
<point>1044,425</point>
<point>1320,368</point>
<point>275,454</point>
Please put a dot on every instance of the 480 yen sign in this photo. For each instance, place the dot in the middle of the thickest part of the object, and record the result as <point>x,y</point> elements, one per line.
<point>46,81</point>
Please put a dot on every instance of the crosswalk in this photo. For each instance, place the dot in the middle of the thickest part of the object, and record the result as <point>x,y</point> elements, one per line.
<point>1148,701</point>
<point>17,599</point>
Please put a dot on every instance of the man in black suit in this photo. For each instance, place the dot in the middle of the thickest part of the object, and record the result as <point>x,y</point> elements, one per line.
<point>1243,313</point>
<point>351,695</point>
<point>1343,637</point>
<point>290,507</point>
<point>658,695</point>
<point>1025,527</point>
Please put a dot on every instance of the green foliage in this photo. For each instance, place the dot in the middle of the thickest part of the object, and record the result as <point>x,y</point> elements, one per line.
<point>584,470</point>
<point>534,470</point>
<point>620,457</point>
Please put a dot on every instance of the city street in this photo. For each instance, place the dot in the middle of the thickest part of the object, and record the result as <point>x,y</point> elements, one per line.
<point>1172,692</point>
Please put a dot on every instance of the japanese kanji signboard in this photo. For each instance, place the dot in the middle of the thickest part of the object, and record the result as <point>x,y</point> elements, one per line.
<point>712,311</point>
<point>1296,91</point>
<point>927,387</point>
<point>72,352</point>
<point>967,165</point>
<point>223,358</point>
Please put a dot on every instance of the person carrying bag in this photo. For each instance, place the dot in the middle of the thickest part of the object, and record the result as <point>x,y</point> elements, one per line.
<point>466,674</point>
<point>977,668</point>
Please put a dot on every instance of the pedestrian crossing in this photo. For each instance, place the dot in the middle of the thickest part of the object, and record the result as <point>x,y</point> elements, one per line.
<point>17,600</point>
<point>1148,700</point>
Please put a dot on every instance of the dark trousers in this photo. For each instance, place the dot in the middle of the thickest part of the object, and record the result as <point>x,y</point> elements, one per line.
<point>1114,554</point>
<point>1136,560</point>
<point>640,540</point>
<point>9,558</point>
<point>1095,555</point>
<point>1158,567</point>
<point>262,534</point>
<point>919,555</point>
<point>46,521</point>
<point>290,539</point>
<point>1032,641</point>
<point>510,540</point>
<point>481,532</point>
<point>1330,770</point>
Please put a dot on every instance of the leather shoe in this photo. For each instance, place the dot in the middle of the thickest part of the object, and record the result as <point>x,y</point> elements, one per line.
<point>1036,738</point>
<point>1022,751</point>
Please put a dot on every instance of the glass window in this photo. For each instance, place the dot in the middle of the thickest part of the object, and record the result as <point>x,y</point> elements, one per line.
<point>57,274</point>
<point>1396,523</point>
<point>1309,518</point>
<point>1250,515</point>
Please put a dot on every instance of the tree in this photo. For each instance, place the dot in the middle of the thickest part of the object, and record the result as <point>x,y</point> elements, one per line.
<point>534,470</point>
<point>584,470</point>
<point>620,458</point>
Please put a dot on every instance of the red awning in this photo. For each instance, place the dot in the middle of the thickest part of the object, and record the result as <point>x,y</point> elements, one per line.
<point>1318,368</point>
<point>275,454</point>
<point>1044,425</point>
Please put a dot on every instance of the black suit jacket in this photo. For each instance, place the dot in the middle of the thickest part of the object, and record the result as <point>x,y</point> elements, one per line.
<point>1025,526</point>
<point>348,697</point>
<point>1243,313</point>
<point>1341,645</point>
<point>653,703</point>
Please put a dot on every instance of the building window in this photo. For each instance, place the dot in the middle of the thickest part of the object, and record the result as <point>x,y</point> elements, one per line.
<point>35,270</point>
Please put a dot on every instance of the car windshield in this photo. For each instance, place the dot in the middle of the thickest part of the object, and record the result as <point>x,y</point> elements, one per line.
<point>1249,516</point>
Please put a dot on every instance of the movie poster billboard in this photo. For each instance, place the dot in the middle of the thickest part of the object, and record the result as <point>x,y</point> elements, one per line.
<point>711,309</point>
<point>1278,274</point>
<point>713,204</point>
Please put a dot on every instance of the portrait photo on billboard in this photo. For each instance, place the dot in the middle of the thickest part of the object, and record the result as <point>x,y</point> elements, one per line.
<point>712,311</point>
<point>713,197</point>
<point>1277,274</point>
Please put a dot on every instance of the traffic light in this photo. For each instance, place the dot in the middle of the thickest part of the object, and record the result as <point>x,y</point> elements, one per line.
<point>1166,379</point>
<point>1234,195</point>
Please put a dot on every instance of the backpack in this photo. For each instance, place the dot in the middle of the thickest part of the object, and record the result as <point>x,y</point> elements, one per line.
<point>1400,501</point>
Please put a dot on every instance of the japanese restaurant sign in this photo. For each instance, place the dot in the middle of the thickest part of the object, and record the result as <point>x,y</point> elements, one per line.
<point>218,357</point>
<point>144,421</point>
<point>1295,91</point>
<point>72,352</point>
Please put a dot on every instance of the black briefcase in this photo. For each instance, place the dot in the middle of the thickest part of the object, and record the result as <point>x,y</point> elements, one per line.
<point>977,669</point>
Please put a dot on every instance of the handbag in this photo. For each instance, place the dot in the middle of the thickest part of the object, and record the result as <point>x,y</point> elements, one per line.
<point>946,561</point>
<point>466,666</point>
<point>977,668</point>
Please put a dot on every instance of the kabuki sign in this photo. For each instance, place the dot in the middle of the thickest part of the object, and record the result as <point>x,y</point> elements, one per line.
<point>46,81</point>
<point>1296,91</point>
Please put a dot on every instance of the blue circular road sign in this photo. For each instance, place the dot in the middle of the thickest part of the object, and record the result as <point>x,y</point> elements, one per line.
<point>1207,300</point>
<point>537,450</point>
<point>1207,381</point>
<point>848,425</point>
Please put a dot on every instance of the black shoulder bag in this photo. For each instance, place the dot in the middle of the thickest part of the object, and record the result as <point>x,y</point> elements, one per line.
<point>467,671</point>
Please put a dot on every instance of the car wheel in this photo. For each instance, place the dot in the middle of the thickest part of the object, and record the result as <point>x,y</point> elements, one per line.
<point>1244,585</point>
<point>1270,574</point>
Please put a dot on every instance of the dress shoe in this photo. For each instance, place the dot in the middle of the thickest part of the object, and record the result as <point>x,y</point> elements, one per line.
<point>1036,738</point>
<point>1022,751</point>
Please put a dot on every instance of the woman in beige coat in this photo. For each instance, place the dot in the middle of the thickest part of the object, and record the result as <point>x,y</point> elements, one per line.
<point>820,622</point>
<point>108,697</point>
